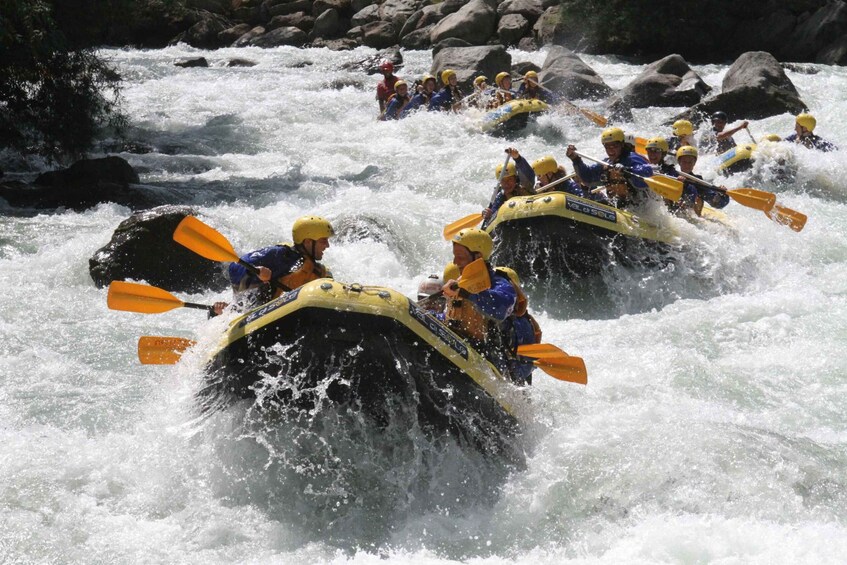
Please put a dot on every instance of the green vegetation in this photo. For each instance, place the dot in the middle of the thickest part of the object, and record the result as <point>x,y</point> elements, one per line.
<point>56,95</point>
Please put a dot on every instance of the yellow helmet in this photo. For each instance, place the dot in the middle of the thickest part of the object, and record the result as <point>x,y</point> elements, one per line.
<point>531,75</point>
<point>611,135</point>
<point>545,165</point>
<point>427,77</point>
<point>771,137</point>
<point>513,276</point>
<point>446,74</point>
<point>686,151</point>
<point>511,170</point>
<point>500,76</point>
<point>451,272</point>
<point>659,143</point>
<point>400,83</point>
<point>310,227</point>
<point>476,240</point>
<point>682,127</point>
<point>479,80</point>
<point>808,121</point>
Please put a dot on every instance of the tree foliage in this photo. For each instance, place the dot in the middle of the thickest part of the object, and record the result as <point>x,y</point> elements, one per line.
<point>55,93</point>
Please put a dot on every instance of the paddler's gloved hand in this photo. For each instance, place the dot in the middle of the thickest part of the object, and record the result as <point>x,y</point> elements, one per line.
<point>451,290</point>
<point>264,274</point>
<point>570,153</point>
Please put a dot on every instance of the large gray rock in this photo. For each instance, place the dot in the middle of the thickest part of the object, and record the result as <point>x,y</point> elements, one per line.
<point>227,36</point>
<point>814,39</point>
<point>549,28</point>
<point>340,44</point>
<point>327,24</point>
<point>204,33</point>
<point>469,62</point>
<point>281,36</point>
<point>511,28</point>
<point>379,34</point>
<point>300,20</point>
<point>418,39</point>
<point>358,5</point>
<point>248,37</point>
<point>666,82</point>
<point>343,7</point>
<point>366,15</point>
<point>530,9</point>
<point>427,16</point>
<point>449,42</point>
<point>754,87</point>
<point>290,8</point>
<point>142,248</point>
<point>397,11</point>
<point>475,23</point>
<point>566,74</point>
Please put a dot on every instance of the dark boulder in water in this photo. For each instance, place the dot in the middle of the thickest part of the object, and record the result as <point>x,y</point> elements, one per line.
<point>142,248</point>
<point>83,185</point>
<point>566,74</point>
<point>666,82</point>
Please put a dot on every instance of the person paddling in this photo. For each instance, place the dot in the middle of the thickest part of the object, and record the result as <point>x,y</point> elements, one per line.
<point>386,87</point>
<point>683,134</point>
<point>504,92</point>
<point>290,265</point>
<point>548,170</point>
<point>686,156</point>
<point>657,151</point>
<point>480,318</point>
<point>397,102</point>
<point>804,126</point>
<point>622,189</point>
<point>425,92</point>
<point>720,138</point>
<point>449,97</point>
<point>522,329</point>
<point>517,180</point>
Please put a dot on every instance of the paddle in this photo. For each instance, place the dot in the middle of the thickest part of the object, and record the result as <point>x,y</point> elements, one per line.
<point>473,219</point>
<point>134,297</point>
<point>593,116</point>
<point>555,362</point>
<point>787,217</point>
<point>750,197</point>
<point>666,187</point>
<point>474,279</point>
<point>160,350</point>
<point>641,146</point>
<point>207,242</point>
<point>747,129</point>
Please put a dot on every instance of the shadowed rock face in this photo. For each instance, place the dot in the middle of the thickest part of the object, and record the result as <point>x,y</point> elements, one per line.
<point>470,62</point>
<point>142,248</point>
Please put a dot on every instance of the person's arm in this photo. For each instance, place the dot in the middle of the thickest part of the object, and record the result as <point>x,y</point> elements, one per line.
<point>526,176</point>
<point>730,132</point>
<point>590,174</point>
<point>498,301</point>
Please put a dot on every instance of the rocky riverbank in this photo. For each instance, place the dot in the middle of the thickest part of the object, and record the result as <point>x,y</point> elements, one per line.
<point>800,30</point>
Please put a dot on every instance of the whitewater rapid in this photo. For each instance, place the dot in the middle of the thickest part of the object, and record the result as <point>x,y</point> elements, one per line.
<point>713,427</point>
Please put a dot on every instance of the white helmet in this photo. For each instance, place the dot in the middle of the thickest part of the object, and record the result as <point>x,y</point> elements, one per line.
<point>429,285</point>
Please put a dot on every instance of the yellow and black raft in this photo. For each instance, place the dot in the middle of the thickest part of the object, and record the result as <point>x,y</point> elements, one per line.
<point>512,115</point>
<point>737,159</point>
<point>561,234</point>
<point>373,349</point>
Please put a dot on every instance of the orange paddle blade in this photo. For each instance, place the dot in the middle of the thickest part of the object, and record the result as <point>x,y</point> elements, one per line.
<point>753,198</point>
<point>574,372</point>
<point>134,297</point>
<point>666,187</point>
<point>204,240</point>
<point>475,277</point>
<point>467,222</point>
<point>787,217</point>
<point>160,350</point>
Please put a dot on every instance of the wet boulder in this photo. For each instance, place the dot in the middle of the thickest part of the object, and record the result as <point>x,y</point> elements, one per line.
<point>418,39</point>
<point>204,34</point>
<point>754,87</point>
<point>666,82</point>
<point>379,34</point>
<point>397,11</point>
<point>142,248</point>
<point>227,36</point>
<point>366,15</point>
<point>248,37</point>
<point>549,28</point>
<point>475,22</point>
<point>192,63</point>
<point>566,74</point>
<point>281,36</point>
<point>327,24</point>
<point>470,62</point>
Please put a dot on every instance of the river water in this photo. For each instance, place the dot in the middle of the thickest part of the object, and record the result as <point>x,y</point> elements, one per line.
<point>713,428</point>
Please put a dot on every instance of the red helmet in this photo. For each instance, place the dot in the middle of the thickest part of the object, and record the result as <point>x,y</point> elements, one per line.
<point>386,66</point>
